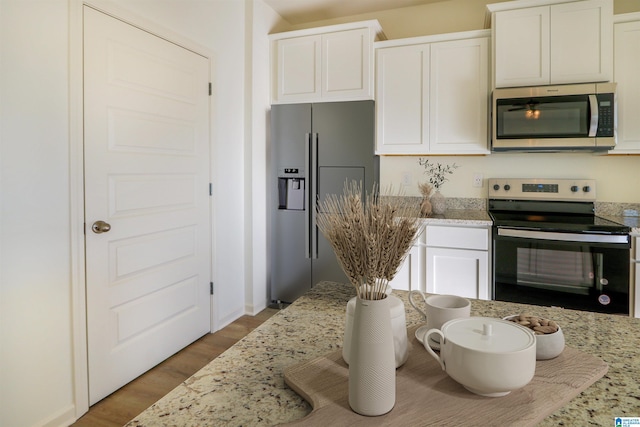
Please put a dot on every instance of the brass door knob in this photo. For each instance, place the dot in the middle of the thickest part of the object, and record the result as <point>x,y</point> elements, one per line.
<point>100,227</point>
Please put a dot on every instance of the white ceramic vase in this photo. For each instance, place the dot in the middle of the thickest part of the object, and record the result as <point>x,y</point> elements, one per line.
<point>372,365</point>
<point>398,327</point>
<point>438,203</point>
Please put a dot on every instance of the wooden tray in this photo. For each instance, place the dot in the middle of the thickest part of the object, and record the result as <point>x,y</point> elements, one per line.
<point>425,395</point>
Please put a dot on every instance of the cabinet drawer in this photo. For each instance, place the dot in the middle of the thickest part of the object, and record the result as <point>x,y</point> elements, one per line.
<point>458,237</point>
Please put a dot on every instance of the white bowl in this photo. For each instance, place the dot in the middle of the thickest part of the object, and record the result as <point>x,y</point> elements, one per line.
<point>489,357</point>
<point>548,346</point>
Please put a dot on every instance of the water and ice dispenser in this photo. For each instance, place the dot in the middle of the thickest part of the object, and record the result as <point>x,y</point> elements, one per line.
<point>291,186</point>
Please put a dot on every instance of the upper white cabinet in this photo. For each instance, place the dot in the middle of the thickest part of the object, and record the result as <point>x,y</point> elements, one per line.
<point>555,42</point>
<point>627,75</point>
<point>333,63</point>
<point>432,94</point>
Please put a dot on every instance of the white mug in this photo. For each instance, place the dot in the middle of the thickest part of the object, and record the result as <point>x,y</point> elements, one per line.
<point>439,309</point>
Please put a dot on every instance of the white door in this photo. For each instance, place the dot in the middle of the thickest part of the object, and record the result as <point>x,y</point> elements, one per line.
<point>146,175</point>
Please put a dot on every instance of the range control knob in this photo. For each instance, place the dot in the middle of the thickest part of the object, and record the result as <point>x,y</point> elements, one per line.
<point>496,187</point>
<point>586,188</point>
<point>507,187</point>
<point>574,188</point>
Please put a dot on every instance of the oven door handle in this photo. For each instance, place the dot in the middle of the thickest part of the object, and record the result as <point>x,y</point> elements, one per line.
<point>563,237</point>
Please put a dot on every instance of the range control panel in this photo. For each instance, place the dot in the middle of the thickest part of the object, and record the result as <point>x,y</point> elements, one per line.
<point>580,190</point>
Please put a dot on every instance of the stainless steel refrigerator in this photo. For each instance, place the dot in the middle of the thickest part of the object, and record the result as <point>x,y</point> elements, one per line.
<point>315,149</point>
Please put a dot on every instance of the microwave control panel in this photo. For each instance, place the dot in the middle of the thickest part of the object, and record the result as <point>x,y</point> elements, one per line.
<point>605,114</point>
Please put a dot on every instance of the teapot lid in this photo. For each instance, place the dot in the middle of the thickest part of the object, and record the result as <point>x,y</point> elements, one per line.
<point>487,334</point>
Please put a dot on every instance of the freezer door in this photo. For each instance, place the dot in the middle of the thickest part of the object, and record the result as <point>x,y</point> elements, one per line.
<point>290,267</point>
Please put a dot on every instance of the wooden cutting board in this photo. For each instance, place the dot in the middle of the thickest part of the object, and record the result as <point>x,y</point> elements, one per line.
<point>425,395</point>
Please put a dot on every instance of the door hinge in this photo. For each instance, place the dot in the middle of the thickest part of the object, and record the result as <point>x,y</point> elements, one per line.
<point>210,89</point>
<point>211,288</point>
<point>210,189</point>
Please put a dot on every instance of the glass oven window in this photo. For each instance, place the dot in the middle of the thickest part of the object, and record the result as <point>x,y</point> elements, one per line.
<point>566,271</point>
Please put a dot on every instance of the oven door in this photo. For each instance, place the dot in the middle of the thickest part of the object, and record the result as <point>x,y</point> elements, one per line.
<point>570,270</point>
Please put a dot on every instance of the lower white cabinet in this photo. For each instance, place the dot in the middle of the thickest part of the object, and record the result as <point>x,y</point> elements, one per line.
<point>457,261</point>
<point>411,274</point>
<point>448,259</point>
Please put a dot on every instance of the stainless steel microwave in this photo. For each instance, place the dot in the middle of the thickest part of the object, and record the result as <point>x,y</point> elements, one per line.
<point>580,117</point>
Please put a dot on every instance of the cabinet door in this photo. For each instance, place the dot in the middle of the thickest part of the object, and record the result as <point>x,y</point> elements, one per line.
<point>581,42</point>
<point>627,64</point>
<point>402,106</point>
<point>459,98</point>
<point>459,272</point>
<point>522,47</point>
<point>346,65</point>
<point>298,69</point>
<point>411,274</point>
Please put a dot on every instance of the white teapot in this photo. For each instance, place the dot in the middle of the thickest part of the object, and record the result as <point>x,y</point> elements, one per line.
<point>489,357</point>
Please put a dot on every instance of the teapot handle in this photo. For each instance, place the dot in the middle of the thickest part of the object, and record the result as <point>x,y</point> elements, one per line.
<point>413,304</point>
<point>425,342</point>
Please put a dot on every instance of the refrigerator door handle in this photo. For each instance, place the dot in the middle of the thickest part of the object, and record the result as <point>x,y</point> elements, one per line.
<point>307,204</point>
<point>313,229</point>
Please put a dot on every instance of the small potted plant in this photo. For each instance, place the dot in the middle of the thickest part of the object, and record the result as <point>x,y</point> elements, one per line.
<point>438,175</point>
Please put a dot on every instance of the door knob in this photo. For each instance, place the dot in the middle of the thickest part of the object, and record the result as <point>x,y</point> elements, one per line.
<point>100,227</point>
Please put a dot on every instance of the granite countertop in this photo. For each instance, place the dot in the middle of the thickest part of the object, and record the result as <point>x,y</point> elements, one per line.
<point>460,217</point>
<point>245,385</point>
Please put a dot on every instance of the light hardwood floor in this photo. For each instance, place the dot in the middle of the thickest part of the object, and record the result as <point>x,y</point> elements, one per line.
<point>126,403</point>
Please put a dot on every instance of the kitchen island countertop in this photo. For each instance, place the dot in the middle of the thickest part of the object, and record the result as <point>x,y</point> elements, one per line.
<point>245,385</point>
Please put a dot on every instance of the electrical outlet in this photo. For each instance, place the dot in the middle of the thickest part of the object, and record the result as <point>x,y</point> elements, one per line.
<point>477,180</point>
<point>407,179</point>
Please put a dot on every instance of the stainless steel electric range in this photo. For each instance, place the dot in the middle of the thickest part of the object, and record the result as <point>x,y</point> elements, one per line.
<point>549,247</point>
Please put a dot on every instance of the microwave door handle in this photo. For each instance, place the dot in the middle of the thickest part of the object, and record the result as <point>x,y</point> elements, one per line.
<point>593,124</point>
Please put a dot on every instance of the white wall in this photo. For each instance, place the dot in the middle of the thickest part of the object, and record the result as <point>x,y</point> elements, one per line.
<point>617,177</point>
<point>437,17</point>
<point>35,314</point>
<point>36,348</point>
<point>261,20</point>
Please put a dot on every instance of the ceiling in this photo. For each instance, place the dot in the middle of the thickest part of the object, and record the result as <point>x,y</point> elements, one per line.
<point>302,11</point>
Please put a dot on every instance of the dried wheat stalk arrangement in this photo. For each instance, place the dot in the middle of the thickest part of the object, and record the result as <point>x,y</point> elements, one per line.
<point>370,238</point>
